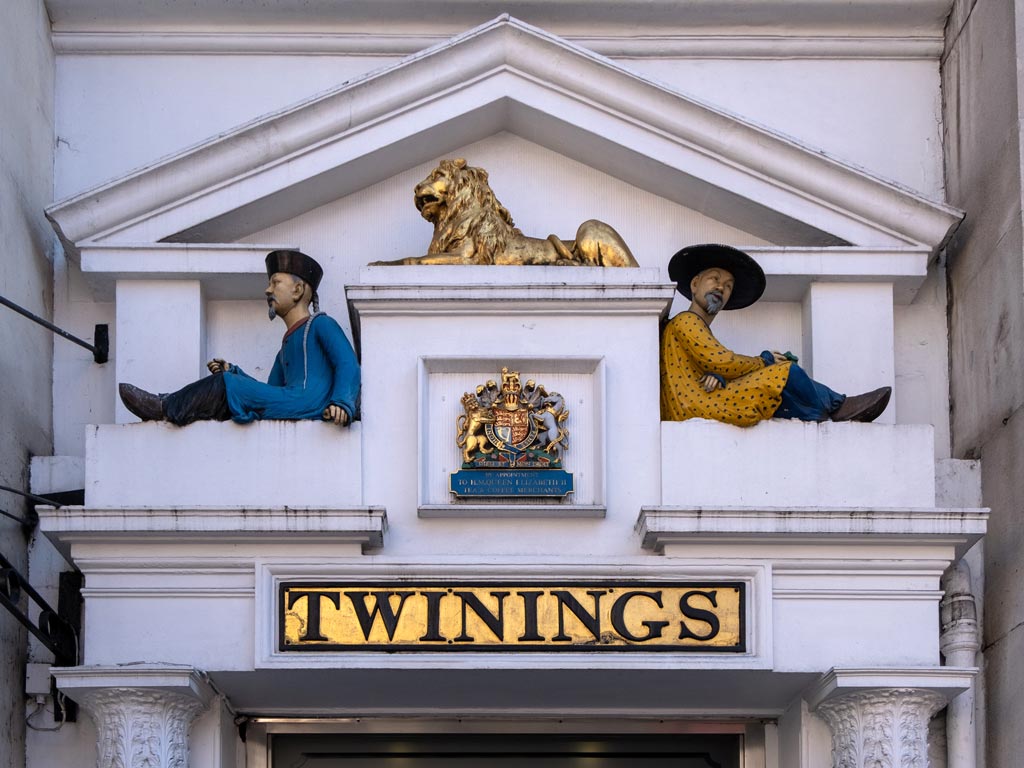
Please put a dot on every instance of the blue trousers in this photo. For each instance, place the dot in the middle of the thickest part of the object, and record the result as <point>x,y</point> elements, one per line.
<point>805,399</point>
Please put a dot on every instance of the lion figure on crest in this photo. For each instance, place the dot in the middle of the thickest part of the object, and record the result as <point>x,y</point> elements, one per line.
<point>471,227</point>
<point>470,426</point>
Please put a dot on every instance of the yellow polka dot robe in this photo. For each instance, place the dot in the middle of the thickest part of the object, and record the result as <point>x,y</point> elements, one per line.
<point>753,390</point>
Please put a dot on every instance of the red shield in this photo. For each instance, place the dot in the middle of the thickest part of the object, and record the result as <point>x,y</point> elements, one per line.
<point>517,424</point>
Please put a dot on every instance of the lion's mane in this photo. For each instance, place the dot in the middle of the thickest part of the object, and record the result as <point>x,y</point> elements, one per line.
<point>472,211</point>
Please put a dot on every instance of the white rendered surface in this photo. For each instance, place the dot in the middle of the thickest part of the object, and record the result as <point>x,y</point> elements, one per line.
<point>160,343</point>
<point>26,349</point>
<point>52,474</point>
<point>550,316</point>
<point>212,464</point>
<point>787,462</point>
<point>185,570</point>
<point>838,575</point>
<point>849,337</point>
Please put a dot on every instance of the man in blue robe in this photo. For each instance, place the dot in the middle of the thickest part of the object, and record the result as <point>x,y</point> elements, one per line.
<point>315,374</point>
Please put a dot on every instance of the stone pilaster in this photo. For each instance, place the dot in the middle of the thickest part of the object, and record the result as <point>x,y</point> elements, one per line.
<point>881,728</point>
<point>143,713</point>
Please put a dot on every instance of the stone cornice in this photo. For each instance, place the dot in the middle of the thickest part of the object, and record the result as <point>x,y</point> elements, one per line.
<point>945,681</point>
<point>660,526</point>
<point>170,678</point>
<point>723,44</point>
<point>236,271</point>
<point>567,17</point>
<point>503,75</point>
<point>66,526</point>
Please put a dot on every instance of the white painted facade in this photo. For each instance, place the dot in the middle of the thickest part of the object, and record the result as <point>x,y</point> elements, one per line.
<point>188,148</point>
<point>26,276</point>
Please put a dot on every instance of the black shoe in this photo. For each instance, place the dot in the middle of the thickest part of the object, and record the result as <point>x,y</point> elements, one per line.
<point>866,407</point>
<point>145,405</point>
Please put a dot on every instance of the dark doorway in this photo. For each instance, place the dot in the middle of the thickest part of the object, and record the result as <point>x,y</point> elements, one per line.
<point>507,751</point>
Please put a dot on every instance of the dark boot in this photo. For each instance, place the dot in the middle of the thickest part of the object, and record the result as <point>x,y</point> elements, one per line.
<point>145,405</point>
<point>866,407</point>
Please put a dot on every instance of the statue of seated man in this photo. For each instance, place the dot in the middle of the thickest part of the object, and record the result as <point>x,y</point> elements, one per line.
<point>700,378</point>
<point>315,373</point>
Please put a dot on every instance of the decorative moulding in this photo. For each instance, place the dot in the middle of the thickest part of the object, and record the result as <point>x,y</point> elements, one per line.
<point>658,527</point>
<point>725,44</point>
<point>662,19</point>
<point>142,713</point>
<point>504,75</point>
<point>169,678</point>
<point>67,526</point>
<point>880,716</point>
<point>490,291</point>
<point>948,682</point>
<point>226,270</point>
<point>236,270</point>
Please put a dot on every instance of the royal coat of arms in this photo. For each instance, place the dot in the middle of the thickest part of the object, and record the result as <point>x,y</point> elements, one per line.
<point>514,426</point>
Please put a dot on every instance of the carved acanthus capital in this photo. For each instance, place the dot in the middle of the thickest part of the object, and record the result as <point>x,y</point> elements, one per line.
<point>142,711</point>
<point>881,728</point>
<point>141,728</point>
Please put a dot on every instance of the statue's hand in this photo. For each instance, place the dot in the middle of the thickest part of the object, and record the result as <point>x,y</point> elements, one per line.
<point>218,366</point>
<point>336,414</point>
<point>782,357</point>
<point>710,382</point>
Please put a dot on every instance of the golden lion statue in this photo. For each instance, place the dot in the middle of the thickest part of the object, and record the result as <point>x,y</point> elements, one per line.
<point>472,227</point>
<point>470,425</point>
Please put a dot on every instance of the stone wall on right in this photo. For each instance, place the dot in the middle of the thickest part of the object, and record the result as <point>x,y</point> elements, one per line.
<point>985,262</point>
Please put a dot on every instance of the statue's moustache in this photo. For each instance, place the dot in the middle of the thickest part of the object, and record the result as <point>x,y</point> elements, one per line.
<point>270,308</point>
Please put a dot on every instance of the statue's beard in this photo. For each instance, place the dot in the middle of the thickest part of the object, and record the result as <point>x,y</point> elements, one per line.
<point>270,309</point>
<point>714,301</point>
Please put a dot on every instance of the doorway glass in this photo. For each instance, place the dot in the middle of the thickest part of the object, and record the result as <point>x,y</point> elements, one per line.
<point>507,751</point>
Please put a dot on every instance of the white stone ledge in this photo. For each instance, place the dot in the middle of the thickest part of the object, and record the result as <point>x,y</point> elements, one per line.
<point>661,526</point>
<point>948,682</point>
<point>235,271</point>
<point>169,678</point>
<point>656,45</point>
<point>498,290</point>
<point>226,270</point>
<point>789,463</point>
<point>262,465</point>
<point>65,526</point>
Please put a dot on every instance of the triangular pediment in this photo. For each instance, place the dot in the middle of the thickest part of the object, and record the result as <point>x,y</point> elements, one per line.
<point>503,76</point>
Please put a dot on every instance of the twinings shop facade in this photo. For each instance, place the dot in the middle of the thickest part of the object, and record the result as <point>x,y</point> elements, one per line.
<point>486,546</point>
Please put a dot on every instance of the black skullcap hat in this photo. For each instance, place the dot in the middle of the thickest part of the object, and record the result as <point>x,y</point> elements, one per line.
<point>694,259</point>
<point>295,263</point>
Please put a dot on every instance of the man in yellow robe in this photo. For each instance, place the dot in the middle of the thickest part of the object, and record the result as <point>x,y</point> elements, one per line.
<point>700,378</point>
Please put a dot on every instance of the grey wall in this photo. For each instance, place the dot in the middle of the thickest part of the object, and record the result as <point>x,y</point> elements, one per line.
<point>26,351</point>
<point>986,277</point>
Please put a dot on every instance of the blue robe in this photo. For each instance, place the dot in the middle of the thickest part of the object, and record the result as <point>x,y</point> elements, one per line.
<point>315,367</point>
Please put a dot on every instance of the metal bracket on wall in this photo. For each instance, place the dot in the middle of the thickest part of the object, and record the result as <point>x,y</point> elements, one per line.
<point>100,347</point>
<point>57,630</point>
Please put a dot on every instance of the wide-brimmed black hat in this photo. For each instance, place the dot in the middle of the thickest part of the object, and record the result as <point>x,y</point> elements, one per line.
<point>694,259</point>
<point>295,263</point>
